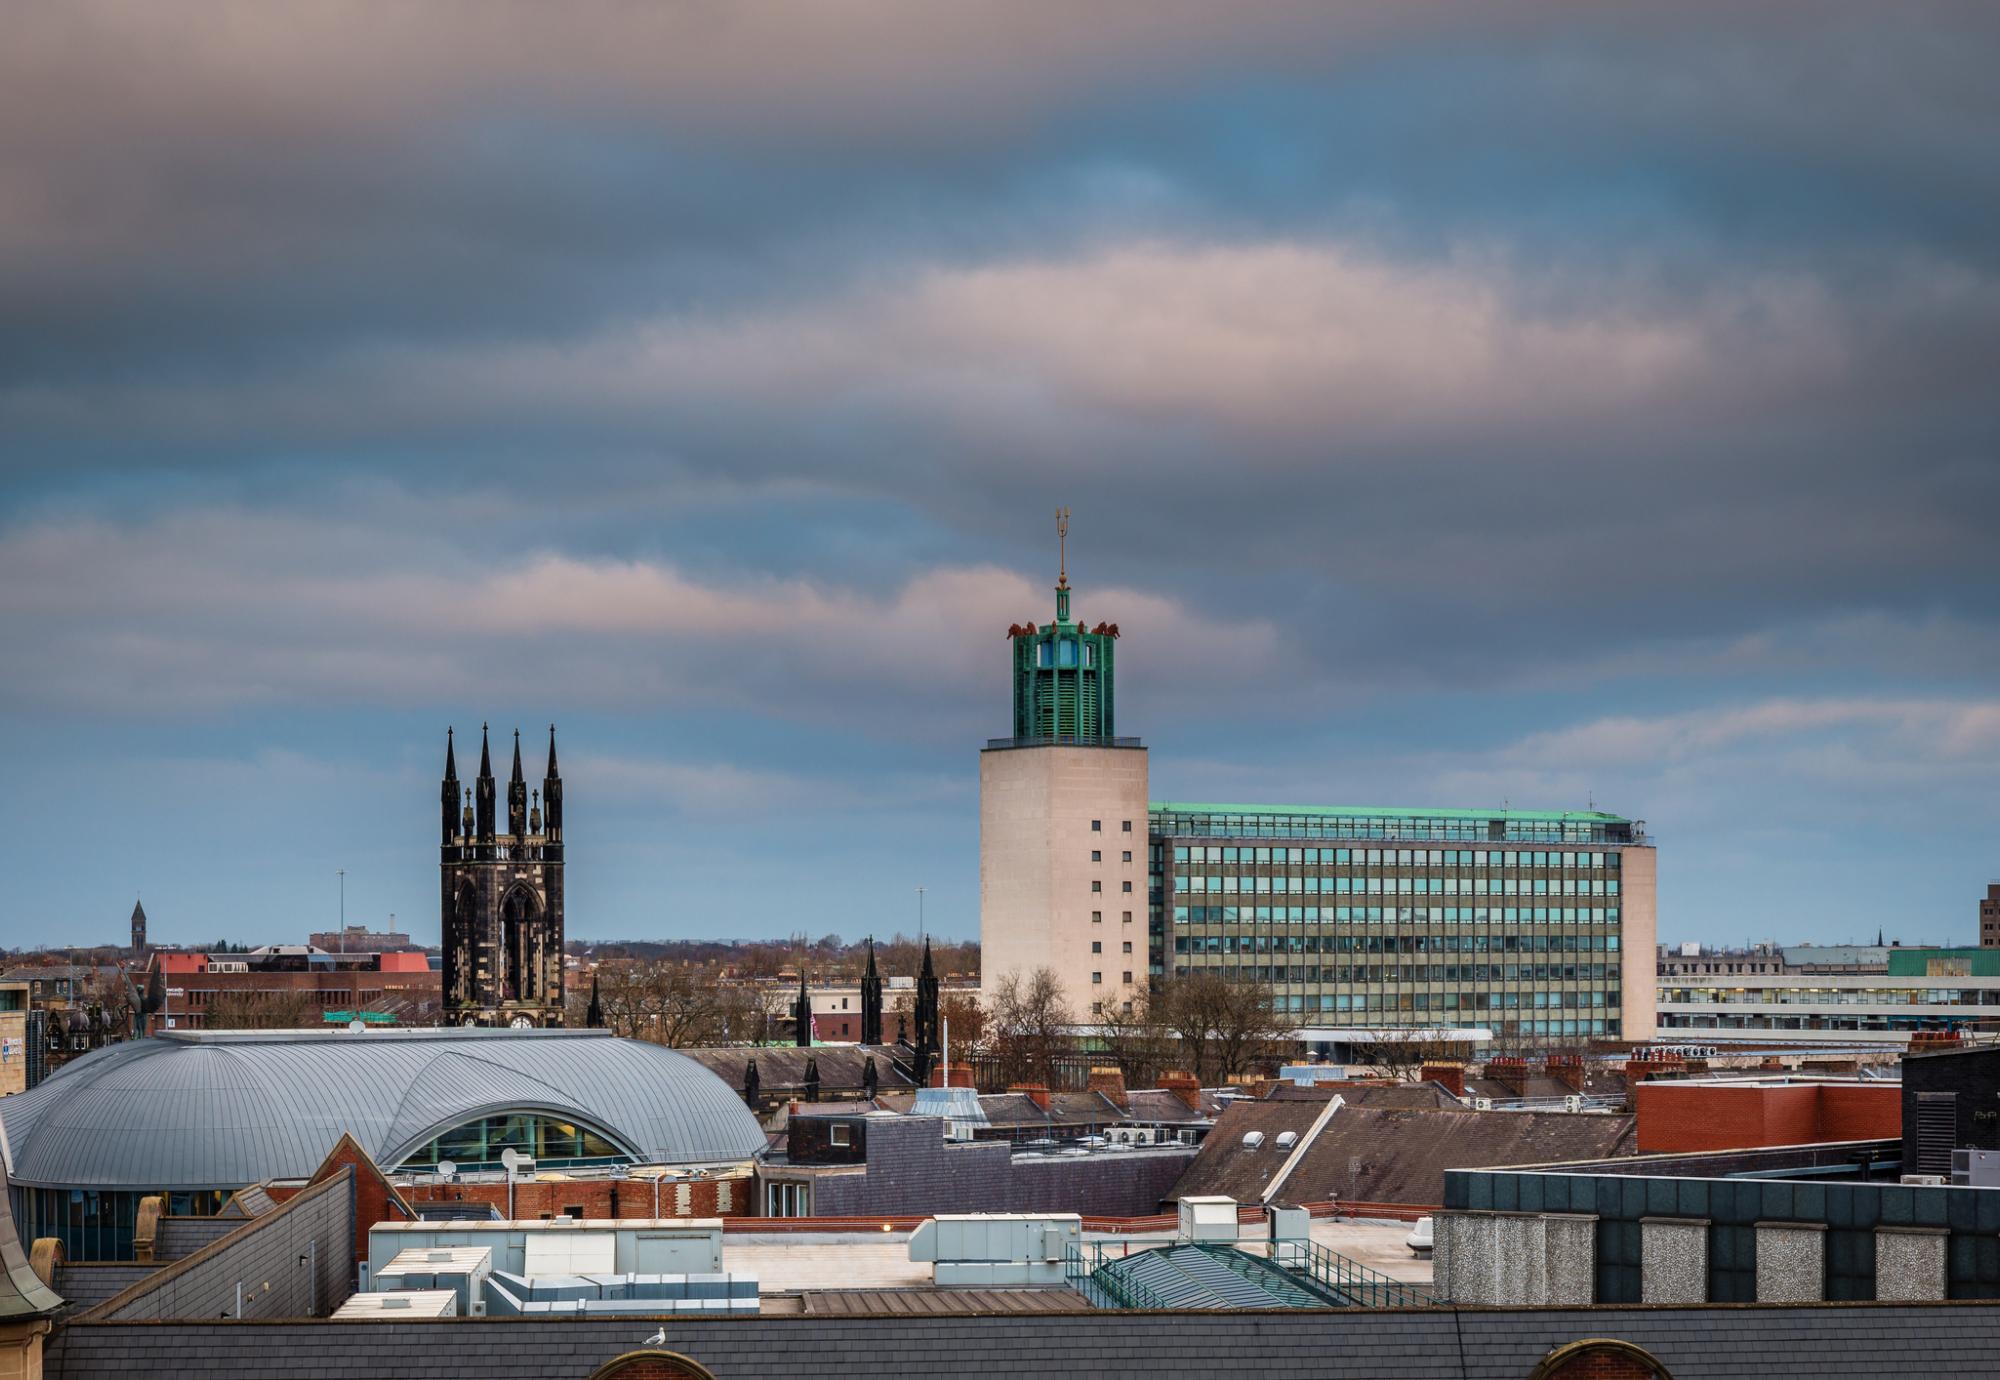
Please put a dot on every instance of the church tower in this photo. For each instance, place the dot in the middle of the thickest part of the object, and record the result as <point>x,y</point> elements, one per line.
<point>138,930</point>
<point>1063,821</point>
<point>501,895</point>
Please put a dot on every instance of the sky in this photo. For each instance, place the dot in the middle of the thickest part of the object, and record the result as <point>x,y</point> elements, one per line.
<point>1457,404</point>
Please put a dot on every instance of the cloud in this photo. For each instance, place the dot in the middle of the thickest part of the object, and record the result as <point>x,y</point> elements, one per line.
<point>205,609</point>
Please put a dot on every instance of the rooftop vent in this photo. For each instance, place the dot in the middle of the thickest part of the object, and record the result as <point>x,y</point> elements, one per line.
<point>1252,1139</point>
<point>1287,1139</point>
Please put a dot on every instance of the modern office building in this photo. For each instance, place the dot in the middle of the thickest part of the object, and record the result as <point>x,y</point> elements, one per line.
<point>1888,1009</point>
<point>1529,924</point>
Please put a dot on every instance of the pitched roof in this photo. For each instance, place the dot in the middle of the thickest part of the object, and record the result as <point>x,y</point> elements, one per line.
<point>1387,1155</point>
<point>781,1067</point>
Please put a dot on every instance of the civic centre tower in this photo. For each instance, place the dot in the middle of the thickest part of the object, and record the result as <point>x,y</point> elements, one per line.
<point>1535,925</point>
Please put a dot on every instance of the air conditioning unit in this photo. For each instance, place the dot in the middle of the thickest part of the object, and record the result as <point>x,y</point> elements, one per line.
<point>1925,1180</point>
<point>1482,1104</point>
<point>1572,1103</point>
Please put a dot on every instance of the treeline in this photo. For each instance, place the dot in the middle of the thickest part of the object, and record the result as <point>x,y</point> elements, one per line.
<point>827,959</point>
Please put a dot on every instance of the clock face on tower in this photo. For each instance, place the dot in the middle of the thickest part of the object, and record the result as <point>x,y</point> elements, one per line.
<point>522,1023</point>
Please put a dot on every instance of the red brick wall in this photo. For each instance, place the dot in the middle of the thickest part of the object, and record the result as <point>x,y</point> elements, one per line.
<point>651,1366</point>
<point>1681,1117</point>
<point>1591,1365</point>
<point>603,1198</point>
<point>1871,1112</point>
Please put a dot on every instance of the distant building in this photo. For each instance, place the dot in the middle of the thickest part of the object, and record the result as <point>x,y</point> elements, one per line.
<point>1692,960</point>
<point>1989,916</point>
<point>501,896</point>
<point>361,940</point>
<point>1362,920</point>
<point>390,988</point>
<point>1887,994</point>
<point>13,1037</point>
<point>138,930</point>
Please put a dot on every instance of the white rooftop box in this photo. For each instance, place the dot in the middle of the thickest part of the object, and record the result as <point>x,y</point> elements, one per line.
<point>1208,1219</point>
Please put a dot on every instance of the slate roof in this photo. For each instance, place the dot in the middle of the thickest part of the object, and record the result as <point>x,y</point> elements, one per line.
<point>1823,1342</point>
<point>781,1067</point>
<point>1376,1155</point>
<point>1406,1096</point>
<point>213,1110</point>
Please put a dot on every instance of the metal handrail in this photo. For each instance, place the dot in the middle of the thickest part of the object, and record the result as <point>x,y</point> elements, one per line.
<point>1356,1282</point>
<point>1126,1293</point>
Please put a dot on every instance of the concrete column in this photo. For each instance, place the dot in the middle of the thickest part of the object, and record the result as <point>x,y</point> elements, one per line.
<point>1910,1263</point>
<point>1570,1243</point>
<point>1524,1259</point>
<point>1791,1262</point>
<point>1673,1260</point>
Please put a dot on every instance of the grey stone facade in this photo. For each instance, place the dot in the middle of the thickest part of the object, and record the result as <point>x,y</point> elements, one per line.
<point>912,1171</point>
<point>1910,1263</point>
<point>1791,1262</point>
<point>1673,1259</point>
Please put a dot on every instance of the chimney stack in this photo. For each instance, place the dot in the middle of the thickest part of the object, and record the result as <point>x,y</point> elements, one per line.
<point>1183,1085</point>
<point>1111,1083</point>
<point>1036,1093</point>
<point>1450,1074</point>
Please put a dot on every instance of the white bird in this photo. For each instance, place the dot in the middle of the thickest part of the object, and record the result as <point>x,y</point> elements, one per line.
<point>657,1339</point>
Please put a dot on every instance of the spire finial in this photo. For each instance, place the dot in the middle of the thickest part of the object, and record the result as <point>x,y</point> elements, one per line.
<point>1062,548</point>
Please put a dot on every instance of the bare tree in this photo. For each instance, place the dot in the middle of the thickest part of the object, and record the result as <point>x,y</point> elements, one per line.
<point>1219,1022</point>
<point>271,1010</point>
<point>1028,1026</point>
<point>1138,1040</point>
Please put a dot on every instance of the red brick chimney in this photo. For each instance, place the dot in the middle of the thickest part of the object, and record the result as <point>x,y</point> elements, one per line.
<point>956,1076</point>
<point>1643,1065</point>
<point>1036,1093</point>
<point>1452,1075</point>
<point>1566,1069</point>
<point>1510,1071</point>
<point>1111,1083</point>
<point>1183,1085</point>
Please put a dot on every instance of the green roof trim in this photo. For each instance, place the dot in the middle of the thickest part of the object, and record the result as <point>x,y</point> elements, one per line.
<point>1384,812</point>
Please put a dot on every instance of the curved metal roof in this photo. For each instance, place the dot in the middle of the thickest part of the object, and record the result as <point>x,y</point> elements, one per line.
<point>222,1110</point>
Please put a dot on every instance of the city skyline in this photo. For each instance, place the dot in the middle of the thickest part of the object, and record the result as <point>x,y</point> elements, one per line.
<point>1583,409</point>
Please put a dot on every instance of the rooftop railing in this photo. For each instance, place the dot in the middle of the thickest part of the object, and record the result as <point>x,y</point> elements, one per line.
<point>1061,740</point>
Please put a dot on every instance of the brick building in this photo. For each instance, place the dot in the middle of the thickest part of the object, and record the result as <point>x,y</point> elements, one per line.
<point>399,988</point>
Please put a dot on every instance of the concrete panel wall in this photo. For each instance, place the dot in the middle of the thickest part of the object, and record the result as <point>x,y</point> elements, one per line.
<point>1515,1258</point>
<point>1910,1263</point>
<point>1791,1262</point>
<point>1673,1260</point>
<point>1638,929</point>
<point>1036,806</point>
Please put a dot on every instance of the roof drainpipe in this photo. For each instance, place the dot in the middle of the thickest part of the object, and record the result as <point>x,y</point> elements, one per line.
<point>1299,1150</point>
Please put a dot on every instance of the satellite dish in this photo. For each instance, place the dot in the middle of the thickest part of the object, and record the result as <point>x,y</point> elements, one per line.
<point>509,1158</point>
<point>357,1026</point>
<point>522,1023</point>
<point>446,1168</point>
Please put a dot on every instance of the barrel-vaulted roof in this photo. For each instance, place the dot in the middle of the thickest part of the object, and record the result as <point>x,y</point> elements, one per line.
<point>222,1110</point>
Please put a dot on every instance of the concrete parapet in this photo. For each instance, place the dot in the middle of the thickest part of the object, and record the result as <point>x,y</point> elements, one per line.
<point>1910,1263</point>
<point>1791,1262</point>
<point>1673,1260</point>
<point>1516,1258</point>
